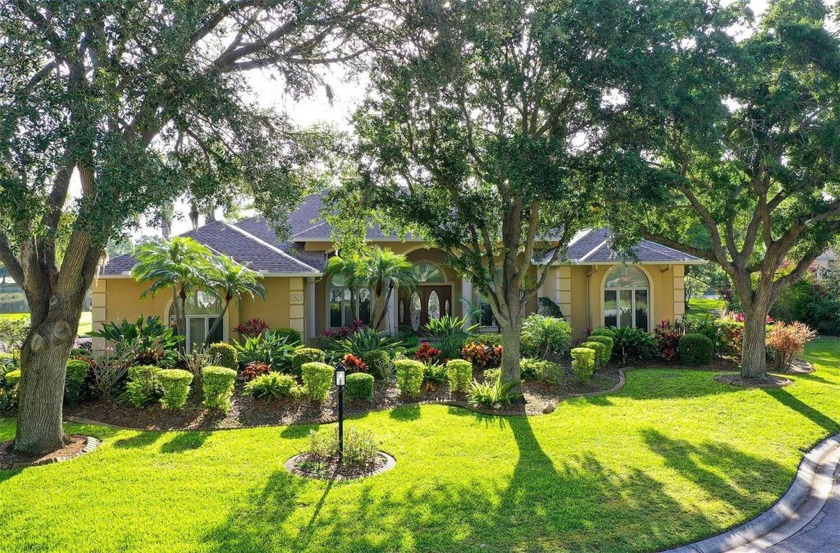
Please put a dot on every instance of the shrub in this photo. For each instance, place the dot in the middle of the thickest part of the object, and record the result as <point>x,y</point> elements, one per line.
<point>6,358</point>
<point>492,375</point>
<point>482,355</point>
<point>542,369</point>
<point>366,340</point>
<point>291,335</point>
<point>435,372</point>
<point>145,339</point>
<point>491,393</point>
<point>226,354</point>
<point>583,363</point>
<point>409,376</point>
<point>608,346</point>
<point>459,374</point>
<point>450,334</point>
<point>360,386</point>
<point>255,369</point>
<point>218,387</point>
<point>600,352</point>
<point>427,353</point>
<point>786,340</point>
<point>633,344</point>
<point>353,364</point>
<point>271,386</point>
<point>545,337</point>
<point>77,372</point>
<point>379,363</point>
<point>175,384</point>
<point>142,385</point>
<point>317,379</point>
<point>493,339</point>
<point>13,332</point>
<point>696,349</point>
<point>360,447</point>
<point>667,335</point>
<point>252,327</point>
<point>730,341</point>
<point>108,373</point>
<point>306,355</point>
<point>602,332</point>
<point>271,349</point>
<point>13,377</point>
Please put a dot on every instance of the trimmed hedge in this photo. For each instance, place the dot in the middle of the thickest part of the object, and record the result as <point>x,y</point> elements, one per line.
<point>306,355</point>
<point>608,344</point>
<point>74,381</point>
<point>378,362</point>
<point>175,384</point>
<point>317,379</point>
<point>600,352</point>
<point>13,377</point>
<point>217,383</point>
<point>583,363</point>
<point>409,376</point>
<point>360,386</point>
<point>291,335</point>
<point>142,385</point>
<point>541,369</point>
<point>603,332</point>
<point>696,349</point>
<point>227,355</point>
<point>459,373</point>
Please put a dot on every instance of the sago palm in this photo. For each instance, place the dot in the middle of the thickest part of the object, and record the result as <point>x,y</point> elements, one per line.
<point>229,281</point>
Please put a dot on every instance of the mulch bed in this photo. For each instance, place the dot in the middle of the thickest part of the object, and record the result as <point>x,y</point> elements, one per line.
<point>76,446</point>
<point>770,381</point>
<point>247,411</point>
<point>331,469</point>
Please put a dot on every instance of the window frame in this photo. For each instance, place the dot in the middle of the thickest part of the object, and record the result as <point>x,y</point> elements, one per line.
<point>633,290</point>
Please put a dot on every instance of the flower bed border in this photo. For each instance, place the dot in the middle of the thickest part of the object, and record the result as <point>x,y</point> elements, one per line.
<point>291,465</point>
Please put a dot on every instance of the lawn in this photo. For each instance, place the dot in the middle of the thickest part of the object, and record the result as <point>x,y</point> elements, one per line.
<point>672,457</point>
<point>698,308</point>
<point>85,323</point>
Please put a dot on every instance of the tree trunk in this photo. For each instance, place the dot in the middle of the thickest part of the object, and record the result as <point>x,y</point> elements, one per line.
<point>510,373</point>
<point>382,311</point>
<point>754,359</point>
<point>219,320</point>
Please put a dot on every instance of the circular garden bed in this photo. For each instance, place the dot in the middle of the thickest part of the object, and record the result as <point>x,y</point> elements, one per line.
<point>331,469</point>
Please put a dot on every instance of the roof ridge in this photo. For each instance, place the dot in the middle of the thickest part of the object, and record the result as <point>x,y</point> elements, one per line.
<point>307,229</point>
<point>592,251</point>
<point>271,247</point>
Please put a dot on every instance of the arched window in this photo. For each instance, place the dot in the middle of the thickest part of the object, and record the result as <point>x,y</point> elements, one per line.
<point>428,273</point>
<point>626,298</point>
<point>202,310</point>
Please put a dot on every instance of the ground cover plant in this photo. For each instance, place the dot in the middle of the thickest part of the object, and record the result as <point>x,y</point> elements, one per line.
<point>558,481</point>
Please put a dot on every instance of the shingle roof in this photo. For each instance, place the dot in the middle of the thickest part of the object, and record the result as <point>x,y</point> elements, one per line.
<point>593,246</point>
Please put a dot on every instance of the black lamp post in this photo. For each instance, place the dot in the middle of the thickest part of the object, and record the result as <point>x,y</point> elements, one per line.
<point>340,381</point>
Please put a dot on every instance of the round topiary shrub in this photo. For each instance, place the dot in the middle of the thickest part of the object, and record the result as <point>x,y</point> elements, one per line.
<point>583,363</point>
<point>602,332</point>
<point>76,373</point>
<point>600,352</point>
<point>608,344</point>
<point>378,362</point>
<point>360,386</point>
<point>175,384</point>
<point>218,387</point>
<point>291,335</point>
<point>142,385</point>
<point>459,373</point>
<point>226,355</point>
<point>306,355</point>
<point>13,377</point>
<point>317,379</point>
<point>409,376</point>
<point>696,349</point>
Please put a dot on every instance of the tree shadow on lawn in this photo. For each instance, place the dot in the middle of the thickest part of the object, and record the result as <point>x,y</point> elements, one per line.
<point>789,400</point>
<point>543,505</point>
<point>140,439</point>
<point>185,441</point>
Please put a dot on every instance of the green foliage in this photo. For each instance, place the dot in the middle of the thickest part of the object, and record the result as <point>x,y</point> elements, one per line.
<point>541,369</point>
<point>409,377</point>
<point>545,337</point>
<point>77,372</point>
<point>225,354</point>
<point>492,339</point>
<point>13,332</point>
<point>583,363</point>
<point>609,332</point>
<point>366,340</point>
<point>360,386</point>
<point>449,334</point>
<point>608,345</point>
<point>434,373</point>
<point>217,386</point>
<point>269,349</point>
<point>459,374</point>
<point>317,379</point>
<point>141,337</point>
<point>379,363</point>
<point>142,386</point>
<point>291,335</point>
<point>633,344</point>
<point>12,377</point>
<point>549,308</point>
<point>483,351</point>
<point>382,271</point>
<point>175,384</point>
<point>360,447</point>
<point>491,393</point>
<point>271,386</point>
<point>696,349</point>
<point>600,352</point>
<point>306,355</point>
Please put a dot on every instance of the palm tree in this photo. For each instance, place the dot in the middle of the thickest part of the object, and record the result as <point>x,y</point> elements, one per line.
<point>179,264</point>
<point>382,271</point>
<point>348,270</point>
<point>230,281</point>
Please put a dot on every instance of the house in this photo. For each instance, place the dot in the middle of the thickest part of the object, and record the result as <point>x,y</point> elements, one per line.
<point>592,287</point>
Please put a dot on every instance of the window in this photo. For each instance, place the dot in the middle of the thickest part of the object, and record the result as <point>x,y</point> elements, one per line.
<point>202,310</point>
<point>428,273</point>
<point>626,298</point>
<point>341,304</point>
<point>485,312</point>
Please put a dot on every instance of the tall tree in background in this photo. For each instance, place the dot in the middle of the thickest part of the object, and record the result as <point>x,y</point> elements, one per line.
<point>484,131</point>
<point>140,101</point>
<point>751,155</point>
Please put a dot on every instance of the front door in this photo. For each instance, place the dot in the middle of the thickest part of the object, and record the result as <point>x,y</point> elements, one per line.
<point>428,302</point>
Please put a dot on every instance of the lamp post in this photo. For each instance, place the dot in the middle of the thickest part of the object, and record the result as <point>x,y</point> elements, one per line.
<point>340,381</point>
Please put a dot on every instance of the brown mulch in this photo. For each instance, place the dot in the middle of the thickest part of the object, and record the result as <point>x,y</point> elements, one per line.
<point>247,411</point>
<point>332,469</point>
<point>770,381</point>
<point>11,460</point>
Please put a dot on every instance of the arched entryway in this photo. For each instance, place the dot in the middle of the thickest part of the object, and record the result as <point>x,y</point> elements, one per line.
<point>431,300</point>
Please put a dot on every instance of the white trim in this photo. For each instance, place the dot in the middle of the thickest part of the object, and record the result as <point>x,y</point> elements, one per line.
<point>592,251</point>
<point>632,264</point>
<point>601,290</point>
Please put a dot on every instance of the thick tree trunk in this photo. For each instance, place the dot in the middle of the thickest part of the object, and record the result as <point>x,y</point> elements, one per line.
<point>510,356</point>
<point>754,359</point>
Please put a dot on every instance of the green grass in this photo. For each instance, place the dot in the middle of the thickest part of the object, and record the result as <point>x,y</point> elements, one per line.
<point>698,308</point>
<point>85,323</point>
<point>673,457</point>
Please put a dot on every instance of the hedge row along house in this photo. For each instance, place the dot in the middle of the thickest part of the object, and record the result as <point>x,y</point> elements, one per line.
<point>592,286</point>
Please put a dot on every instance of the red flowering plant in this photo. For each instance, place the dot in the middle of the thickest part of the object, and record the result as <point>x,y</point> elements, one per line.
<point>252,328</point>
<point>344,331</point>
<point>668,336</point>
<point>254,369</point>
<point>427,354</point>
<point>354,364</point>
<point>482,356</point>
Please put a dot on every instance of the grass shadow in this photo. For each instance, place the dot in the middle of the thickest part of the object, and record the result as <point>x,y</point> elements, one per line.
<point>789,400</point>
<point>185,441</point>
<point>297,431</point>
<point>405,413</point>
<point>140,440</point>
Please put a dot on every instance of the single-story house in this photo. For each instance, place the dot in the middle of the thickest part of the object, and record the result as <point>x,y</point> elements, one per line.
<point>592,286</point>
